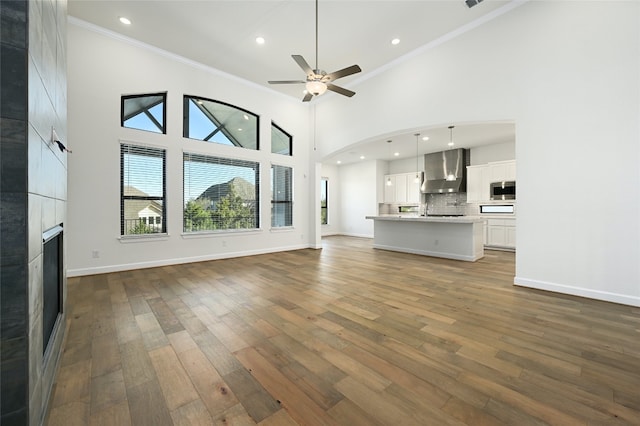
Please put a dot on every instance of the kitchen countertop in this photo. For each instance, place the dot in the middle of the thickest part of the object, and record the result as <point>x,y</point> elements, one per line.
<point>429,219</point>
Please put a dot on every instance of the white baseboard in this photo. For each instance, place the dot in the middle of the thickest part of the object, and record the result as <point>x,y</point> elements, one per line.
<point>440,254</point>
<point>330,234</point>
<point>622,299</point>
<point>166,262</point>
<point>352,234</point>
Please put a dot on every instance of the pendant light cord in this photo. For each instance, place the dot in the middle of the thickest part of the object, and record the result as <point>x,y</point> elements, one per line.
<point>417,135</point>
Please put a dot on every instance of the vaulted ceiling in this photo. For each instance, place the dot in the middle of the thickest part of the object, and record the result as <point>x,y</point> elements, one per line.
<point>222,34</point>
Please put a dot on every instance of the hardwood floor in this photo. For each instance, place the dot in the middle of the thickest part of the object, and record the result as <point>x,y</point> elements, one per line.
<point>346,335</point>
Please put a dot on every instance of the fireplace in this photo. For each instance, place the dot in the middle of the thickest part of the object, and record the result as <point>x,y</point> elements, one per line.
<point>52,282</point>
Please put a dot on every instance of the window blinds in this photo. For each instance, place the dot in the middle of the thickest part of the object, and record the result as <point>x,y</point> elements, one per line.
<point>281,196</point>
<point>220,193</point>
<point>142,190</point>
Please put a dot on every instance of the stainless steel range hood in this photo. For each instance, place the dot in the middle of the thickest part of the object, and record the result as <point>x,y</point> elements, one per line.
<point>445,172</point>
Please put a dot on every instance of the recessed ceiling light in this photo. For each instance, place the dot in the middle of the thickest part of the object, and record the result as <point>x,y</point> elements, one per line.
<point>396,153</point>
<point>260,40</point>
<point>395,41</point>
<point>339,162</point>
<point>362,157</point>
<point>124,20</point>
<point>425,138</point>
<point>450,144</point>
<point>239,129</point>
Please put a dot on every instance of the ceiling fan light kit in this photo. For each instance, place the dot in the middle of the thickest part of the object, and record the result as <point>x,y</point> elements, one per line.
<point>318,81</point>
<point>316,88</point>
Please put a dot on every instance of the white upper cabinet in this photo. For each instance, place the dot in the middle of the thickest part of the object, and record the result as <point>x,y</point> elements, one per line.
<point>389,189</point>
<point>480,177</point>
<point>511,170</point>
<point>477,188</point>
<point>413,188</point>
<point>501,171</point>
<point>401,188</point>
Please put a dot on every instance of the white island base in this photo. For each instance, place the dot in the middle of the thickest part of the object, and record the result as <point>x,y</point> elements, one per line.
<point>459,238</point>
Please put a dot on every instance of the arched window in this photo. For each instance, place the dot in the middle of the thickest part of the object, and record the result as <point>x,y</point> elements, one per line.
<point>212,121</point>
<point>281,141</point>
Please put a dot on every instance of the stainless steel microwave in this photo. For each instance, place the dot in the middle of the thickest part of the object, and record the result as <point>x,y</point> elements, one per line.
<point>503,190</point>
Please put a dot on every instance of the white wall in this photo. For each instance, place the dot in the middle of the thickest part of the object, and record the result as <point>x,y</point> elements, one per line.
<point>567,74</point>
<point>358,197</point>
<point>406,165</point>
<point>495,152</point>
<point>101,69</point>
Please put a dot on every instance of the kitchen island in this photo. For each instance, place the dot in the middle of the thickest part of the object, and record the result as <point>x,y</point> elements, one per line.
<point>459,237</point>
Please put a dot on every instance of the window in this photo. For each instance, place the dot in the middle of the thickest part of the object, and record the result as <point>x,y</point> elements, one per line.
<point>212,121</point>
<point>281,196</point>
<point>142,190</point>
<point>281,141</point>
<point>144,112</point>
<point>220,193</point>
<point>324,204</point>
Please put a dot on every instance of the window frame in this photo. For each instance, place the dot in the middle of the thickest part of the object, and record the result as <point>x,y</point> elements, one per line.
<point>125,148</point>
<point>324,185</point>
<point>290,153</point>
<point>186,128</point>
<point>289,185</point>
<point>162,127</point>
<point>220,160</point>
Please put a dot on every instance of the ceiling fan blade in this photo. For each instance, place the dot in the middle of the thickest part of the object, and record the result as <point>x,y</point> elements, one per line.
<point>303,64</point>
<point>353,69</point>
<point>341,90</point>
<point>287,82</point>
<point>307,97</point>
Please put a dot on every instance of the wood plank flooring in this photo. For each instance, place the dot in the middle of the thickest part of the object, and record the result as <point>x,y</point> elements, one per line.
<point>346,335</point>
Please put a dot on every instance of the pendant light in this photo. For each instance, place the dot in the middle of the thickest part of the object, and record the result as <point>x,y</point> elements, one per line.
<point>417,179</point>
<point>451,176</point>
<point>389,182</point>
<point>451,136</point>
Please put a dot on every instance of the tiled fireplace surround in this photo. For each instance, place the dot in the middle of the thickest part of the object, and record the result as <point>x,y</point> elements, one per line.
<point>33,182</point>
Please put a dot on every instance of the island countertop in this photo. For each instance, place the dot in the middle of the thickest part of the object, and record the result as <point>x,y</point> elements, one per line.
<point>437,219</point>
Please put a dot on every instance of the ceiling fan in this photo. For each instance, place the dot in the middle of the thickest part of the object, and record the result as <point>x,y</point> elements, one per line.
<point>318,81</point>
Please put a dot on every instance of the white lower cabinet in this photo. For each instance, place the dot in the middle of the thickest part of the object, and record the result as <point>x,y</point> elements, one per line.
<point>511,236</point>
<point>485,231</point>
<point>501,233</point>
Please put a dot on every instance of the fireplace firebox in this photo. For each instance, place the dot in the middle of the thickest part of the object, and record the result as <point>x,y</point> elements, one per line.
<point>52,281</point>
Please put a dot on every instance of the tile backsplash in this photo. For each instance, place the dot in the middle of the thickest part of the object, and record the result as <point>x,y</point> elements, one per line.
<point>449,204</point>
<point>441,204</point>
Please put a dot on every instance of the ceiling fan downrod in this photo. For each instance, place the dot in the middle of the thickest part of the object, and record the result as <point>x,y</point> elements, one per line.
<point>316,36</point>
<point>318,81</point>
